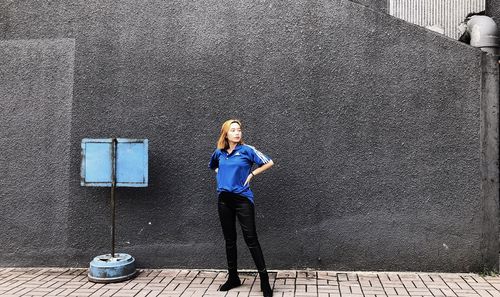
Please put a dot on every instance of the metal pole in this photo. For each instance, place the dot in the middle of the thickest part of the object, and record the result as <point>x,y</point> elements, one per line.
<point>113,184</point>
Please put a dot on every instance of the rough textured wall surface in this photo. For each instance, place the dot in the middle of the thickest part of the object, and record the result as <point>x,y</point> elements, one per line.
<point>36,85</point>
<point>381,5</point>
<point>373,124</point>
<point>489,155</point>
<point>493,10</point>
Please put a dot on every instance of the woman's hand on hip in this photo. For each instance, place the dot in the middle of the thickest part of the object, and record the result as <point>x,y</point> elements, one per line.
<point>249,178</point>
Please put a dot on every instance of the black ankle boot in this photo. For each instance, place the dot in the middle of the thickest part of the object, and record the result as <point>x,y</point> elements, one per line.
<point>233,281</point>
<point>264,284</point>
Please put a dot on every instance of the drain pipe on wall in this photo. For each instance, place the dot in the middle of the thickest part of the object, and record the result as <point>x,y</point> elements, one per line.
<point>484,35</point>
<point>482,32</point>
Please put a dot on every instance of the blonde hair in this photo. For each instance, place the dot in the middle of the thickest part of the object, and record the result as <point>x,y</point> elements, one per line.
<point>222,143</point>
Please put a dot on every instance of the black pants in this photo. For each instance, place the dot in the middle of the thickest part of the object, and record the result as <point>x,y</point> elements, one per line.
<point>232,206</point>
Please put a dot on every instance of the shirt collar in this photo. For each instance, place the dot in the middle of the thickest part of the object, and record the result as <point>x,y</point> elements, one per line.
<point>236,148</point>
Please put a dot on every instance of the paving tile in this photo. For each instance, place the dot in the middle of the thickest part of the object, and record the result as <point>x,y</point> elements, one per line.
<point>342,277</point>
<point>210,274</point>
<point>286,274</point>
<point>373,291</point>
<point>305,281</point>
<point>142,293</point>
<point>328,289</point>
<point>286,283</point>
<point>65,292</point>
<point>351,295</point>
<point>306,274</point>
<point>153,293</point>
<point>436,285</point>
<point>481,286</point>
<point>352,276</point>
<point>215,293</point>
<point>300,288</point>
<point>327,275</point>
<point>126,293</point>
<point>408,277</point>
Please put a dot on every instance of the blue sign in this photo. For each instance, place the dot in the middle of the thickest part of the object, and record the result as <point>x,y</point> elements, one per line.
<point>129,158</point>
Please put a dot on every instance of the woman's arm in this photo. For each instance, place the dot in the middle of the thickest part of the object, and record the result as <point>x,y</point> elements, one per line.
<point>263,168</point>
<point>259,171</point>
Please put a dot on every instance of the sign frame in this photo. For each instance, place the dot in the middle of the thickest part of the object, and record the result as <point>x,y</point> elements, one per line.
<point>100,157</point>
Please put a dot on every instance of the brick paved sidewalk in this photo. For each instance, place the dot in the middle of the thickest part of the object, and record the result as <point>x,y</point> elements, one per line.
<point>193,283</point>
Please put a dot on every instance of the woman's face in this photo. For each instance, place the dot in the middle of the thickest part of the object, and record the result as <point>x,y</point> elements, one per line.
<point>234,133</point>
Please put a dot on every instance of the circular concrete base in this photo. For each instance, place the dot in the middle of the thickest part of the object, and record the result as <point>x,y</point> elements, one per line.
<point>108,269</point>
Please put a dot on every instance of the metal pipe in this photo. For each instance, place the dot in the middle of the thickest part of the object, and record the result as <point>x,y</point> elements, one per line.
<point>113,185</point>
<point>483,33</point>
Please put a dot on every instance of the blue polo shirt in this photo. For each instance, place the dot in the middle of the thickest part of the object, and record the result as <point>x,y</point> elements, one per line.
<point>235,167</point>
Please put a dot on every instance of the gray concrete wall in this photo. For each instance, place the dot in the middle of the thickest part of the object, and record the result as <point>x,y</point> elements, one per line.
<point>380,5</point>
<point>493,10</point>
<point>373,123</point>
<point>36,86</point>
<point>489,154</point>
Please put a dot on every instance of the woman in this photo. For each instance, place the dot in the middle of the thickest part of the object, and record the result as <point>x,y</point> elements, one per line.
<point>233,161</point>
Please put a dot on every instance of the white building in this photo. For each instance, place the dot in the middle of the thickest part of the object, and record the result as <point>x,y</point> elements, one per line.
<point>442,16</point>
